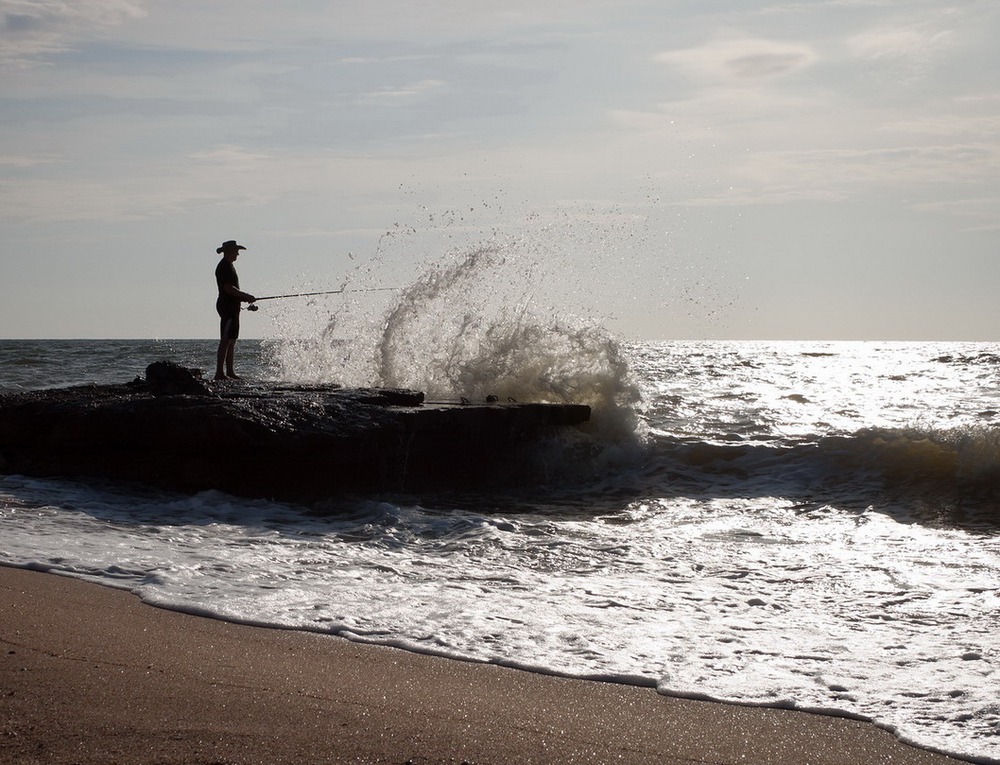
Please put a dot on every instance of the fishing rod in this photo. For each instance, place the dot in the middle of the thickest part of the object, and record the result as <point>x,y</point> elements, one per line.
<point>253,307</point>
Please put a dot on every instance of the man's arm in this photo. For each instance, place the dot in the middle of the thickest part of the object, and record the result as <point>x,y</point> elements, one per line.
<point>232,291</point>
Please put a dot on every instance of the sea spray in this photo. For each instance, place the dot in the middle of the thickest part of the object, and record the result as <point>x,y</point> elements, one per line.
<point>499,298</point>
<point>471,327</point>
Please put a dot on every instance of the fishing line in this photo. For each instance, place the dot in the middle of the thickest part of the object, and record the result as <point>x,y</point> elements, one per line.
<point>253,307</point>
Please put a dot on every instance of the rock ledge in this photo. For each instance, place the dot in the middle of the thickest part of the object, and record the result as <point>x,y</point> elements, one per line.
<point>274,440</point>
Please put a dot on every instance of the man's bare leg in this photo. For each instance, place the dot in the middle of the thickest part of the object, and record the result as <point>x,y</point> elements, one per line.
<point>224,358</point>
<point>230,357</point>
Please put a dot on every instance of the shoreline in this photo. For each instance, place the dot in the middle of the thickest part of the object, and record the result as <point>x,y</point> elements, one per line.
<point>90,674</point>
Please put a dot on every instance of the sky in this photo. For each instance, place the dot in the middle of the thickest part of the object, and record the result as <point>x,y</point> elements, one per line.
<point>682,169</point>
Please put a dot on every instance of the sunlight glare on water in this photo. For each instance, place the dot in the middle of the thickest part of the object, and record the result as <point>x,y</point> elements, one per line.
<point>785,391</point>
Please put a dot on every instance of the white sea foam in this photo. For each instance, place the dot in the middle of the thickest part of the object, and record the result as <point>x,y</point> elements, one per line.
<point>745,601</point>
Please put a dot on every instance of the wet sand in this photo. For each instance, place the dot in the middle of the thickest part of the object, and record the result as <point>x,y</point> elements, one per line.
<point>90,675</point>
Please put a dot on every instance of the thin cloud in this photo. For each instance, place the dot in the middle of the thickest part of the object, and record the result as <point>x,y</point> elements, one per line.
<point>951,125</point>
<point>32,29</point>
<point>751,196</point>
<point>366,60</point>
<point>914,42</point>
<point>28,160</point>
<point>814,5</point>
<point>911,50</point>
<point>741,59</point>
<point>858,170</point>
<point>232,156</point>
<point>405,92</point>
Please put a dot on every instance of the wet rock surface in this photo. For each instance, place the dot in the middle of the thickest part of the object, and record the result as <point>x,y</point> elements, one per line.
<point>294,442</point>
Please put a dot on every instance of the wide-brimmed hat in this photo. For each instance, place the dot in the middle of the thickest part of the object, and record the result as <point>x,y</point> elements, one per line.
<point>230,245</point>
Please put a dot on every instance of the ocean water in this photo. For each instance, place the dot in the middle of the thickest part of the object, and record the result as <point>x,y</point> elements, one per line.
<point>810,525</point>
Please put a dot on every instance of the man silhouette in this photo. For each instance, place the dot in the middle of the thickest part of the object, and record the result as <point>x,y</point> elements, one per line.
<point>228,306</point>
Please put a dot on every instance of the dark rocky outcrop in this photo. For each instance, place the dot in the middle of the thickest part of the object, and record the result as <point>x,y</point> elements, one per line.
<point>279,441</point>
<point>165,378</point>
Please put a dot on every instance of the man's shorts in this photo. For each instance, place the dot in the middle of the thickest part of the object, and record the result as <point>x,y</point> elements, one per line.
<point>229,327</point>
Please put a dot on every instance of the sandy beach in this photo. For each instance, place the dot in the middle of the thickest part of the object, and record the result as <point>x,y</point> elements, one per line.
<point>92,675</point>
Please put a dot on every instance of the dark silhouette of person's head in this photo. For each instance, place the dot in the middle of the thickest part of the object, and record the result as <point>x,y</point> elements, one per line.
<point>230,248</point>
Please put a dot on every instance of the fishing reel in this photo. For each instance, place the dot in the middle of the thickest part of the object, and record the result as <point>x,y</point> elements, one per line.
<point>253,307</point>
